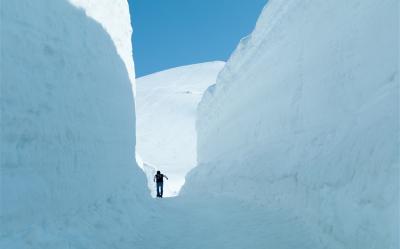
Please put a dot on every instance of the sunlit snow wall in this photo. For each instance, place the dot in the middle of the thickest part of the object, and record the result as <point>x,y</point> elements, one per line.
<point>68,171</point>
<point>305,117</point>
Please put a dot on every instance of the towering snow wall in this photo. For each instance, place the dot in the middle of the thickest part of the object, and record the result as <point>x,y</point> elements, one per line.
<point>68,171</point>
<point>166,107</point>
<point>305,117</point>
<point>114,19</point>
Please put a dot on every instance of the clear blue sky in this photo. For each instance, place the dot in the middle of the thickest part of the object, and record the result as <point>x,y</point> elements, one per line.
<point>170,33</point>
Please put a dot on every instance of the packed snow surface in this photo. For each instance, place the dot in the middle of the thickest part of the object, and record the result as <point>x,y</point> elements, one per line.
<point>304,117</point>
<point>68,173</point>
<point>166,113</point>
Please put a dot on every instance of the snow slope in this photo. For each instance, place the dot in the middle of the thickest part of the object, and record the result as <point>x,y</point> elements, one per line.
<point>68,173</point>
<point>305,118</point>
<point>166,114</point>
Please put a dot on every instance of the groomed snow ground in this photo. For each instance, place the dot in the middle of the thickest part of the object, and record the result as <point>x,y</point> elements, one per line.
<point>215,223</point>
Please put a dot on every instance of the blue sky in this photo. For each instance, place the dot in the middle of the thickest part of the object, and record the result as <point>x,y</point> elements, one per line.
<point>170,33</point>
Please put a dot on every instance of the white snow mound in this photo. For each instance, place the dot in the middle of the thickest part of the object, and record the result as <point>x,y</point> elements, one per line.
<point>166,115</point>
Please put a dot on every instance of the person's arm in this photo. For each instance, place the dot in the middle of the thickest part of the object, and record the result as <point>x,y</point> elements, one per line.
<point>154,179</point>
<point>166,177</point>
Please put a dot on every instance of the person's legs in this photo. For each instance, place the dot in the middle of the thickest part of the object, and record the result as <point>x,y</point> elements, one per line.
<point>158,189</point>
<point>162,188</point>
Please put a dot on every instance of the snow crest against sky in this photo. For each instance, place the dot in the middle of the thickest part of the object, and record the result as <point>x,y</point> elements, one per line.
<point>175,32</point>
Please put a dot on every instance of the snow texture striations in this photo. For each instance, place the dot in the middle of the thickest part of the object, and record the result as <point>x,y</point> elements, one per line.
<point>68,173</point>
<point>166,115</point>
<point>305,117</point>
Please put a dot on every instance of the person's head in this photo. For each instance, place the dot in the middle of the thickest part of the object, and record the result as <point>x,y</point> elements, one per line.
<point>158,172</point>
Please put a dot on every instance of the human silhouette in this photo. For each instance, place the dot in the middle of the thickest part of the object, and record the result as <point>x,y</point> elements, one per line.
<point>159,179</point>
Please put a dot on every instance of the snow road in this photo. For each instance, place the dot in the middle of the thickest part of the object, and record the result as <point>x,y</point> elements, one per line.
<point>224,223</point>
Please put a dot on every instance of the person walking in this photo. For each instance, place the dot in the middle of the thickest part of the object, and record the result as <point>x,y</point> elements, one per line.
<point>159,179</point>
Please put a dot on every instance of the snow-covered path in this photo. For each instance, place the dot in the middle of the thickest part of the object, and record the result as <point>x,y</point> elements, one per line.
<point>193,223</point>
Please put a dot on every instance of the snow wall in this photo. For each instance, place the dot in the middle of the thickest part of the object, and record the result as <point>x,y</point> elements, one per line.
<point>68,170</point>
<point>305,117</point>
<point>166,117</point>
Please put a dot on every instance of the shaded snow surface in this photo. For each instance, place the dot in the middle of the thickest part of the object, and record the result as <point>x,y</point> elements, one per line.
<point>305,117</point>
<point>218,223</point>
<point>68,173</point>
